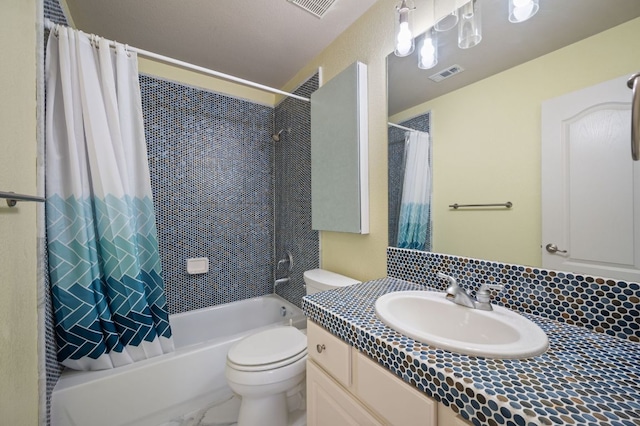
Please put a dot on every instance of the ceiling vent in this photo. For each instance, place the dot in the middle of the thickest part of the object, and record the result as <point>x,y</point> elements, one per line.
<point>315,7</point>
<point>444,74</point>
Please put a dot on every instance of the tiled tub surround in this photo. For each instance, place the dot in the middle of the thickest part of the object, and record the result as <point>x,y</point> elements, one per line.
<point>585,377</point>
<point>210,159</point>
<point>292,175</point>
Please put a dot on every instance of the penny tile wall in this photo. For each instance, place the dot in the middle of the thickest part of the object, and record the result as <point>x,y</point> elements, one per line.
<point>292,175</point>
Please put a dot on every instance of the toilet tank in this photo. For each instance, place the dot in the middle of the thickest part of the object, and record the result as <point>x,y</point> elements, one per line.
<point>322,280</point>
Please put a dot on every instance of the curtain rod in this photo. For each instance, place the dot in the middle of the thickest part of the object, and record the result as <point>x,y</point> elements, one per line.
<point>51,25</point>
<point>404,128</point>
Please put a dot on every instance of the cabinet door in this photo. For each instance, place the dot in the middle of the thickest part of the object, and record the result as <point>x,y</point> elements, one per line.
<point>391,398</point>
<point>328,404</point>
<point>330,353</point>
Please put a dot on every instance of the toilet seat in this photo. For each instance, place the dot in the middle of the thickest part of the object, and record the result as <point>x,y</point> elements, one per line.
<point>270,349</point>
<point>265,367</point>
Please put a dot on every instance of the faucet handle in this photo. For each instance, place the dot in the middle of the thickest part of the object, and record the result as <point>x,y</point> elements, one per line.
<point>484,295</point>
<point>453,289</point>
<point>452,281</point>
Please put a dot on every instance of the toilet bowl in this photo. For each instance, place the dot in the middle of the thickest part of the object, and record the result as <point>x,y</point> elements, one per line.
<point>267,369</point>
<point>261,369</point>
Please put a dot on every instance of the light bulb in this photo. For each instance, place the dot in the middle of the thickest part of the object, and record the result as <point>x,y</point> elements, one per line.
<point>521,10</point>
<point>404,35</point>
<point>522,13</point>
<point>428,54</point>
<point>404,39</point>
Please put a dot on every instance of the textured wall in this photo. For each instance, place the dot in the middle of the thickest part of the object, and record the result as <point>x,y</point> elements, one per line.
<point>210,158</point>
<point>292,173</point>
<point>18,253</point>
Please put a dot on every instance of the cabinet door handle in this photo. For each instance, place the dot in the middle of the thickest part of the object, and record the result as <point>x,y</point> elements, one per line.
<point>320,348</point>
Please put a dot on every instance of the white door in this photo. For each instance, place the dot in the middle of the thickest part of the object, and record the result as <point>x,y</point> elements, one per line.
<point>590,185</point>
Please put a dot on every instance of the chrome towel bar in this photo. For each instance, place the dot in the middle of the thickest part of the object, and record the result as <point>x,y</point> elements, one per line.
<point>508,205</point>
<point>12,198</point>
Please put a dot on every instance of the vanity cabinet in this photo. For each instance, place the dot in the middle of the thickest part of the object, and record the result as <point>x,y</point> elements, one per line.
<point>345,387</point>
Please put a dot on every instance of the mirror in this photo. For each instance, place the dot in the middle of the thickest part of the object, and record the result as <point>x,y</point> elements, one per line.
<point>485,121</point>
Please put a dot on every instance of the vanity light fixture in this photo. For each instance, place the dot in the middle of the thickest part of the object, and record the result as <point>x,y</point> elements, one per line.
<point>428,54</point>
<point>404,31</point>
<point>469,22</point>
<point>521,10</point>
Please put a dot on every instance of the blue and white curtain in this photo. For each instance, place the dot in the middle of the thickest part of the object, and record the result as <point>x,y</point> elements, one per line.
<point>108,294</point>
<point>415,207</point>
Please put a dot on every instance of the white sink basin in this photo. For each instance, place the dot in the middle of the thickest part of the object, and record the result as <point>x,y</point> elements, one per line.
<point>428,317</point>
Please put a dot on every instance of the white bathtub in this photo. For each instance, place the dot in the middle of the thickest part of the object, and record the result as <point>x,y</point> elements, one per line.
<point>156,390</point>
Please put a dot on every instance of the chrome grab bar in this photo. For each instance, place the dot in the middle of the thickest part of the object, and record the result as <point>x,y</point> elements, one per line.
<point>634,85</point>
<point>12,198</point>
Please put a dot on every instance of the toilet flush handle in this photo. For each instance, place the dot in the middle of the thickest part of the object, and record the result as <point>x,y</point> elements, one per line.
<point>320,348</point>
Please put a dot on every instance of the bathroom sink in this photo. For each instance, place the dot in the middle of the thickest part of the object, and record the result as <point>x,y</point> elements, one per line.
<point>430,318</point>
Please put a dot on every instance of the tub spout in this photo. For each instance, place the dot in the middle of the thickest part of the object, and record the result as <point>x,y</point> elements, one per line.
<point>282,280</point>
<point>279,281</point>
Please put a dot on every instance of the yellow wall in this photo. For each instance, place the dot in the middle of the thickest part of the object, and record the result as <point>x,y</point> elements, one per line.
<point>18,254</point>
<point>486,145</point>
<point>369,40</point>
<point>192,78</point>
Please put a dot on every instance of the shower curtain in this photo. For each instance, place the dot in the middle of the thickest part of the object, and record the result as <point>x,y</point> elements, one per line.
<point>106,278</point>
<point>415,206</point>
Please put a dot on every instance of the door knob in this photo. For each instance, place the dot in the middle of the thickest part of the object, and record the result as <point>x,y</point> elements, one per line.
<point>552,248</point>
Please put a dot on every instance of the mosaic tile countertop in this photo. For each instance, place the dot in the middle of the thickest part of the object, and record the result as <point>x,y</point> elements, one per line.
<point>585,378</point>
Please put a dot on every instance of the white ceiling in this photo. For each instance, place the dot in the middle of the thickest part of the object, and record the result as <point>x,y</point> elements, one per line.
<point>558,23</point>
<point>265,41</point>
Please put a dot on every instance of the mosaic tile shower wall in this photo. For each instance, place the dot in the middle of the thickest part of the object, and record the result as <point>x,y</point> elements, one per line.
<point>210,158</point>
<point>292,172</point>
<point>600,304</point>
<point>53,11</point>
<point>396,171</point>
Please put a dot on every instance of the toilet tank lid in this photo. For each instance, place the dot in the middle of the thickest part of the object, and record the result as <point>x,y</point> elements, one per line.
<point>329,278</point>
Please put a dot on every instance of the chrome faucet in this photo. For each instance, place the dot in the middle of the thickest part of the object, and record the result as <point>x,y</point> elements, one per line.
<point>461,297</point>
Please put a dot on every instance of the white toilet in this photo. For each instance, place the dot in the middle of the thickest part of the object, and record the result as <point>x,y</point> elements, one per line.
<point>264,367</point>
